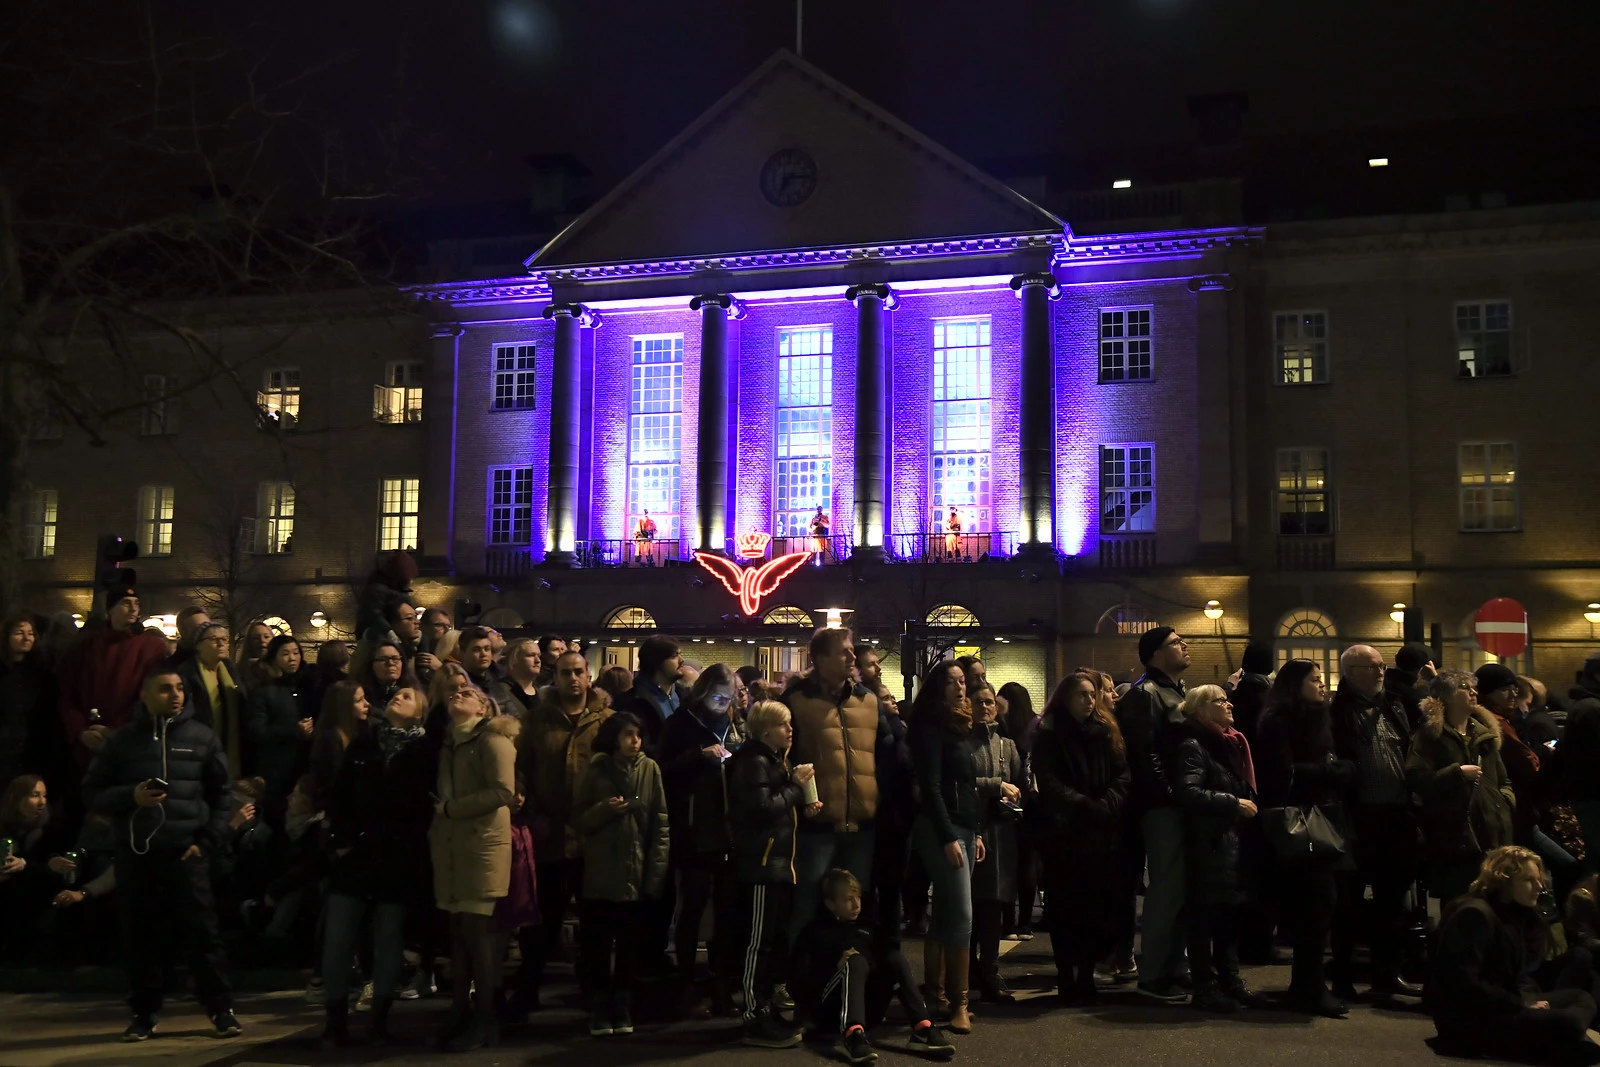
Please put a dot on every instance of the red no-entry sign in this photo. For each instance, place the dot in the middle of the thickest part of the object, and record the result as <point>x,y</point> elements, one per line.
<point>1501,626</point>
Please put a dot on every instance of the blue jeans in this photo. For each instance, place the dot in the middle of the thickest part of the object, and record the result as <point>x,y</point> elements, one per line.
<point>951,924</point>
<point>1161,940</point>
<point>815,854</point>
<point>344,917</point>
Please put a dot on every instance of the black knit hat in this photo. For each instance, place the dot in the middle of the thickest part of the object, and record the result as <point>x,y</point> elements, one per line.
<point>1493,676</point>
<point>1413,656</point>
<point>1257,658</point>
<point>1151,640</point>
<point>120,592</point>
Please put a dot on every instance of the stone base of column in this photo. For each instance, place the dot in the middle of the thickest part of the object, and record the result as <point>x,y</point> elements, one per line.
<point>1037,552</point>
<point>868,554</point>
<point>559,561</point>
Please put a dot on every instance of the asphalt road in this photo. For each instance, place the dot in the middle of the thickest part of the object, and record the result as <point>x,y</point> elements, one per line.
<point>47,1031</point>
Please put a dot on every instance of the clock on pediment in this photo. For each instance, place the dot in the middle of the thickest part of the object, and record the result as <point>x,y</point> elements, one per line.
<point>788,178</point>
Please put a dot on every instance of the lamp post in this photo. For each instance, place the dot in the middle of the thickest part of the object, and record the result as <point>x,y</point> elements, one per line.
<point>1397,615</point>
<point>1592,615</point>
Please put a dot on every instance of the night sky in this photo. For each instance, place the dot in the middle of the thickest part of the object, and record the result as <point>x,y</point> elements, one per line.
<point>477,86</point>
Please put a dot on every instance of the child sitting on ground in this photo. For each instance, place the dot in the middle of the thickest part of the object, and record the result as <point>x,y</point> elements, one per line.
<point>842,970</point>
<point>621,815</point>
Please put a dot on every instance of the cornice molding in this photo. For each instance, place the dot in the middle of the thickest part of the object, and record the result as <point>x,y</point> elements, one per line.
<point>493,291</point>
<point>1155,245</point>
<point>1285,243</point>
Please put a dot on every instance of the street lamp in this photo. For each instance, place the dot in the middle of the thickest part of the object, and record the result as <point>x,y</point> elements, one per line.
<point>1213,610</point>
<point>318,620</point>
<point>1592,615</point>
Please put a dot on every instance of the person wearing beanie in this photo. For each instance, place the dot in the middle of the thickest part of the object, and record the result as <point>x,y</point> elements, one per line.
<point>1498,693</point>
<point>101,676</point>
<point>1250,691</point>
<point>1407,681</point>
<point>1145,713</point>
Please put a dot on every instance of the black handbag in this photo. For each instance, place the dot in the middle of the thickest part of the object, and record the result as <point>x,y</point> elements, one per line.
<point>1302,833</point>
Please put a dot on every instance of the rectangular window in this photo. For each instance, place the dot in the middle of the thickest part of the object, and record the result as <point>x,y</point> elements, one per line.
<point>1483,339</point>
<point>153,417</point>
<point>1125,345</point>
<point>514,380</point>
<point>39,525</point>
<point>805,428</point>
<point>275,518</point>
<point>1303,509</point>
<point>1300,347</point>
<point>398,506</point>
<point>655,434</point>
<point>279,398</point>
<point>399,398</point>
<point>1489,500</point>
<point>510,505</point>
<point>1128,489</point>
<point>961,442</point>
<point>155,520</point>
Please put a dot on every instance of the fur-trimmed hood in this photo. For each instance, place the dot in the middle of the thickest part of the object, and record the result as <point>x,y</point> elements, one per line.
<point>1433,727</point>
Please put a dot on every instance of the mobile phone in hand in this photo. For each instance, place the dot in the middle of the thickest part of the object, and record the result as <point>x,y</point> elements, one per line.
<point>159,785</point>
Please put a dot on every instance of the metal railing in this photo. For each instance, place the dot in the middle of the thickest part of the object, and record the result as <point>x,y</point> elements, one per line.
<point>835,548</point>
<point>627,552</point>
<point>940,547</point>
<point>507,562</point>
<point>1305,554</point>
<point>1128,553</point>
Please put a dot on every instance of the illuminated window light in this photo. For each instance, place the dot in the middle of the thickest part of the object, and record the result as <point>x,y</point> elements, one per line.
<point>1378,161</point>
<point>1122,183</point>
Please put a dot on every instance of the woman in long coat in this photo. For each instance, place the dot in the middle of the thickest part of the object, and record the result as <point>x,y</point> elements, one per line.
<point>994,879</point>
<point>470,841</point>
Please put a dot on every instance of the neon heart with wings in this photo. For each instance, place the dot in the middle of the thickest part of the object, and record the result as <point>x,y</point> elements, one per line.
<point>750,584</point>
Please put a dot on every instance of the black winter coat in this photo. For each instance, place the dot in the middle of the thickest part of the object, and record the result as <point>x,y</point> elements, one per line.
<point>697,791</point>
<point>1249,700</point>
<point>1478,969</point>
<point>380,810</point>
<point>1296,763</point>
<point>763,805</point>
<point>947,781</point>
<point>1346,715</point>
<point>1208,784</point>
<point>1146,711</point>
<point>897,805</point>
<point>1580,742</point>
<point>1081,785</point>
<point>184,752</point>
<point>817,953</point>
<point>1404,687</point>
<point>272,715</point>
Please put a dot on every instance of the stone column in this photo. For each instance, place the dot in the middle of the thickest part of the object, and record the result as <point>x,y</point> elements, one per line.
<point>711,485</point>
<point>1037,422</point>
<point>561,494</point>
<point>440,415</point>
<point>872,417</point>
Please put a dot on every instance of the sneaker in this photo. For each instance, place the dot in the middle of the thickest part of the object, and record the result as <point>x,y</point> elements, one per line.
<point>600,1024</point>
<point>1243,995</point>
<point>854,1047</point>
<point>621,1018</point>
<point>226,1024</point>
<point>1164,991</point>
<point>1214,1000</point>
<point>1024,933</point>
<point>931,1042</point>
<point>765,1031</point>
<point>363,1000</point>
<point>143,1028</point>
<point>781,1000</point>
<point>314,993</point>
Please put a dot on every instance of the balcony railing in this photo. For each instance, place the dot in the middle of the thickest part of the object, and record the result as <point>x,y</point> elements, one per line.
<point>1305,554</point>
<point>834,548</point>
<point>953,548</point>
<point>1128,553</point>
<point>507,562</point>
<point>627,552</point>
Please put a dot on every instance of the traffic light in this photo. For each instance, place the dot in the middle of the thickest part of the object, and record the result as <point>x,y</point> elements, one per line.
<point>1411,625</point>
<point>111,552</point>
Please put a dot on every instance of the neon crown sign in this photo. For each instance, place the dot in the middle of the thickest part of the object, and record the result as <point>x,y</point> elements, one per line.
<point>751,584</point>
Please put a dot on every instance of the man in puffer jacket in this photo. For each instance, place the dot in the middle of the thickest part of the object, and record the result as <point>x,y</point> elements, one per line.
<point>1579,752</point>
<point>165,835</point>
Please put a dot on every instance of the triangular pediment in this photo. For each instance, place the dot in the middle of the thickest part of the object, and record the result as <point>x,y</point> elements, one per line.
<point>791,159</point>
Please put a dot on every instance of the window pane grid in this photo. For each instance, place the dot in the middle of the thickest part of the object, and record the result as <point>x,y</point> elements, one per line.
<point>511,506</point>
<point>1303,492</point>
<point>1127,489</point>
<point>1125,345</point>
<point>961,421</point>
<point>398,509</point>
<point>655,433</point>
<point>155,520</point>
<point>1483,339</point>
<point>1300,343</point>
<point>1489,495</point>
<point>275,529</point>
<point>515,379</point>
<point>804,444</point>
<point>39,525</point>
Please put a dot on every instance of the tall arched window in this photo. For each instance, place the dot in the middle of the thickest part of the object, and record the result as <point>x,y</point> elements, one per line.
<point>787,616</point>
<point>1126,619</point>
<point>1306,633</point>
<point>630,617</point>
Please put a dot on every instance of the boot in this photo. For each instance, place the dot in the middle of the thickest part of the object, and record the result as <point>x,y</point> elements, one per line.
<point>336,1026</point>
<point>379,1034</point>
<point>933,979</point>
<point>957,964</point>
<point>455,1022</point>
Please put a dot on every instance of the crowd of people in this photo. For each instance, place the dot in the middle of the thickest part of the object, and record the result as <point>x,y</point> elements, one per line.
<point>438,805</point>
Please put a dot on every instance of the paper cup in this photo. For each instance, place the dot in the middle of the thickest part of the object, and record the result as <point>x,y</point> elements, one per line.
<point>811,784</point>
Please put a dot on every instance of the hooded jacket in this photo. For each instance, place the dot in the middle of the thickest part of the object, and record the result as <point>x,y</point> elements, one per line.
<point>185,753</point>
<point>1460,819</point>
<point>552,754</point>
<point>763,810</point>
<point>624,855</point>
<point>837,732</point>
<point>470,840</point>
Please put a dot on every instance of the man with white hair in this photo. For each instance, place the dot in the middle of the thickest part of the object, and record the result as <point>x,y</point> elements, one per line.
<point>1372,730</point>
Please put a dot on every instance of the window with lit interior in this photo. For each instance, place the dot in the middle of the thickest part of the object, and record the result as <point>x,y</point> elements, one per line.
<point>1483,339</point>
<point>961,424</point>
<point>399,502</point>
<point>1489,500</point>
<point>275,518</point>
<point>1125,345</point>
<point>155,520</point>
<point>279,398</point>
<point>655,433</point>
<point>804,472</point>
<point>1306,633</point>
<point>1300,347</point>
<point>399,398</point>
<point>514,378</point>
<point>1128,489</point>
<point>39,525</point>
<point>1303,509</point>
<point>510,505</point>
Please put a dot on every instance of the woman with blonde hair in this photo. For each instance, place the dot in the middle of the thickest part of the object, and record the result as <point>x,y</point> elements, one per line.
<point>1080,774</point>
<point>1482,988</point>
<point>470,843</point>
<point>1455,767</point>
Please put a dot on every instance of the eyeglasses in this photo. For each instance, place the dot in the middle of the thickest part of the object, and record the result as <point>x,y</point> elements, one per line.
<point>386,659</point>
<point>1176,642</point>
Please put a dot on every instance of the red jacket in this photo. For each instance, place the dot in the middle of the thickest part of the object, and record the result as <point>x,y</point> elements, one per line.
<point>104,671</point>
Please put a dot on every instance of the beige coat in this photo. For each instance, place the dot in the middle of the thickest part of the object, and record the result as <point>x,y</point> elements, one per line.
<point>837,733</point>
<point>552,755</point>
<point>470,840</point>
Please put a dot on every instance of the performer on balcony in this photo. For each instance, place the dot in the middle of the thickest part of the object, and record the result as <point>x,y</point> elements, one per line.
<point>819,533</point>
<point>952,532</point>
<point>644,535</point>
